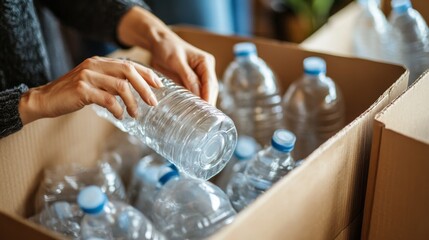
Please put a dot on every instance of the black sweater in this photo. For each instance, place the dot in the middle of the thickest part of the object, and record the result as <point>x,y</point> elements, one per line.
<point>24,58</point>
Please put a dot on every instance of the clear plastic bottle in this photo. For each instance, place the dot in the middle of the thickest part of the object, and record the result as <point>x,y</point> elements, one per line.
<point>147,174</point>
<point>107,220</point>
<point>314,107</point>
<point>412,37</point>
<point>122,151</point>
<point>188,208</point>
<point>63,183</point>
<point>269,166</point>
<point>62,217</point>
<point>253,97</point>
<point>197,137</point>
<point>372,32</point>
<point>246,149</point>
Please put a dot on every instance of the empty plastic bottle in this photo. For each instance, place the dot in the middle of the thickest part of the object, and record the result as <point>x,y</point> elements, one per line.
<point>253,98</point>
<point>246,149</point>
<point>61,217</point>
<point>122,151</point>
<point>146,185</point>
<point>314,107</point>
<point>188,208</point>
<point>269,166</point>
<point>372,32</point>
<point>412,37</point>
<point>198,138</point>
<point>63,183</point>
<point>107,220</point>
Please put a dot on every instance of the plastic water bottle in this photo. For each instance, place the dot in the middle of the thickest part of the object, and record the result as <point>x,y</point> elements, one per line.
<point>269,166</point>
<point>61,217</point>
<point>412,34</point>
<point>198,138</point>
<point>122,151</point>
<point>255,101</point>
<point>63,183</point>
<point>314,108</point>
<point>246,149</point>
<point>106,219</point>
<point>146,186</point>
<point>372,32</point>
<point>188,208</point>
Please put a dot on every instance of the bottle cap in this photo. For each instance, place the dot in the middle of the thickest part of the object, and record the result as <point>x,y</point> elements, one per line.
<point>91,200</point>
<point>244,49</point>
<point>314,65</point>
<point>401,6</point>
<point>246,148</point>
<point>283,140</point>
<point>167,174</point>
<point>62,209</point>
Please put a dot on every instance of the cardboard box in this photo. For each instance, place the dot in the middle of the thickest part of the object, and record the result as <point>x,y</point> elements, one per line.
<point>323,199</point>
<point>397,198</point>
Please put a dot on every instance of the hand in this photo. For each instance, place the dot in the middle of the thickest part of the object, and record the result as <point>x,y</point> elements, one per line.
<point>96,80</point>
<point>177,59</point>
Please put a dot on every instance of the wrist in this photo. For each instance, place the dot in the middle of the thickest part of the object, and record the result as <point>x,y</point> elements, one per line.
<point>139,27</point>
<point>27,107</point>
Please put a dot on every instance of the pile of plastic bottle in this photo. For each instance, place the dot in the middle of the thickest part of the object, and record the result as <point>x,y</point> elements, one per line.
<point>403,38</point>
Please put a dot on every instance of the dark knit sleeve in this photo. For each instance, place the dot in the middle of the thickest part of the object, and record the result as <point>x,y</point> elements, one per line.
<point>10,120</point>
<point>97,19</point>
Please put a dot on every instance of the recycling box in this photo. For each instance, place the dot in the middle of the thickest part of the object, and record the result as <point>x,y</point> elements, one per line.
<point>322,199</point>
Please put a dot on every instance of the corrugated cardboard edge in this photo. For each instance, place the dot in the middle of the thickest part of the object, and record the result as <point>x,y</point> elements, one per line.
<point>14,227</point>
<point>379,129</point>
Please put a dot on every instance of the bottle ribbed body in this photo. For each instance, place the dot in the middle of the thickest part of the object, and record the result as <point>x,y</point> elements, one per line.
<point>198,138</point>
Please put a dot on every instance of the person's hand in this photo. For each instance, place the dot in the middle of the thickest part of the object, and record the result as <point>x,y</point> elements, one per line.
<point>172,56</point>
<point>96,80</point>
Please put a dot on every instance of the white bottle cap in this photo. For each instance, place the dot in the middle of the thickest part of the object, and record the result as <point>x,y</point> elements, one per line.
<point>314,65</point>
<point>244,49</point>
<point>246,148</point>
<point>283,140</point>
<point>91,200</point>
<point>400,6</point>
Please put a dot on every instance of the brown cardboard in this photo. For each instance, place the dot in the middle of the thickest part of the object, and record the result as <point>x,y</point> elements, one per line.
<point>396,205</point>
<point>420,5</point>
<point>323,199</point>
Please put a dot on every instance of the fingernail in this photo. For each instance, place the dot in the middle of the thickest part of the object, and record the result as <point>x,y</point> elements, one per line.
<point>159,82</point>
<point>152,100</point>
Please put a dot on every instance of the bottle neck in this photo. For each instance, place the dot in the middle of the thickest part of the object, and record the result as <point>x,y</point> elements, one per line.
<point>247,58</point>
<point>276,153</point>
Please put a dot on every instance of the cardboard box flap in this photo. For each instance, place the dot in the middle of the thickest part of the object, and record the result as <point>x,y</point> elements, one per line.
<point>409,115</point>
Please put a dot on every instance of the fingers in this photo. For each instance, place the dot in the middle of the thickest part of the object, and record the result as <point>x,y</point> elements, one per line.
<point>210,87</point>
<point>189,78</point>
<point>106,100</point>
<point>114,86</point>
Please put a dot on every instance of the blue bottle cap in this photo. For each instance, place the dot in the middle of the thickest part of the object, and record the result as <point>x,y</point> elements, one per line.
<point>314,66</point>
<point>246,148</point>
<point>244,49</point>
<point>167,174</point>
<point>401,6</point>
<point>91,200</point>
<point>283,140</point>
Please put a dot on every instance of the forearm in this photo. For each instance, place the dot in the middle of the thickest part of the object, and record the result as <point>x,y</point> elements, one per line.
<point>96,18</point>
